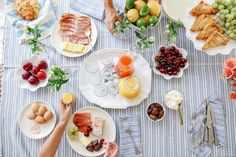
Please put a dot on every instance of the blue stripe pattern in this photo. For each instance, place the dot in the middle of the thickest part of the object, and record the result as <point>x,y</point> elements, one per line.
<point>45,20</point>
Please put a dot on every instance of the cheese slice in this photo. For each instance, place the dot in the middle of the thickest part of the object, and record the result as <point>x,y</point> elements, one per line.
<point>98,126</point>
<point>85,141</point>
<point>68,46</point>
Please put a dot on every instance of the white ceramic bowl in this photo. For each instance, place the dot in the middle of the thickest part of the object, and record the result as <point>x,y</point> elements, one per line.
<point>182,94</point>
<point>166,76</point>
<point>26,124</point>
<point>157,119</point>
<point>26,85</point>
<point>134,27</point>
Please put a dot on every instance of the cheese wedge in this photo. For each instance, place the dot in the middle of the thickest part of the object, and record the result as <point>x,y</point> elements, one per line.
<point>70,47</point>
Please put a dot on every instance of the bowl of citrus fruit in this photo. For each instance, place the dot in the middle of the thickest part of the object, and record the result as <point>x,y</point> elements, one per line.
<point>143,13</point>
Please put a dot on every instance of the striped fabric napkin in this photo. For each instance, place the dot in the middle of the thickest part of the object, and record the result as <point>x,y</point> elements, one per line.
<point>203,150</point>
<point>93,8</point>
<point>127,149</point>
<point>45,20</point>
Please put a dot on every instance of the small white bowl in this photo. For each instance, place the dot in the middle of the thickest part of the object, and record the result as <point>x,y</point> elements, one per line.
<point>26,85</point>
<point>157,119</point>
<point>165,104</point>
<point>166,76</point>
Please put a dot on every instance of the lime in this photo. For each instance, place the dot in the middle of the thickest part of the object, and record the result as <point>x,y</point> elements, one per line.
<point>144,11</point>
<point>152,20</point>
<point>141,22</point>
<point>129,4</point>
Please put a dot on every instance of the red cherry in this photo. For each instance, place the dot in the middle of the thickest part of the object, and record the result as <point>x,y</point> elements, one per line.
<point>27,66</point>
<point>184,60</point>
<point>176,51</point>
<point>162,70</point>
<point>157,58</point>
<point>102,140</point>
<point>89,129</point>
<point>182,65</point>
<point>163,63</point>
<point>169,69</point>
<point>162,49</point>
<point>170,58</point>
<point>175,73</point>
<point>86,134</point>
<point>180,55</point>
<point>33,80</point>
<point>172,48</point>
<point>166,52</point>
<point>42,65</point>
<point>169,55</point>
<point>41,75</point>
<point>176,62</point>
<point>26,75</point>
<point>170,73</point>
<point>35,70</point>
<point>178,69</point>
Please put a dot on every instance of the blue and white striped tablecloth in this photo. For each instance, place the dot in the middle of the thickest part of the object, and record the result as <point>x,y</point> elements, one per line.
<point>162,139</point>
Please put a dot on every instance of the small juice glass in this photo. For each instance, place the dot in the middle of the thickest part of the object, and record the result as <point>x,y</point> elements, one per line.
<point>124,67</point>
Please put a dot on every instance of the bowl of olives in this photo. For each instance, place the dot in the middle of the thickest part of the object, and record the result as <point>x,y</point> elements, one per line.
<point>155,112</point>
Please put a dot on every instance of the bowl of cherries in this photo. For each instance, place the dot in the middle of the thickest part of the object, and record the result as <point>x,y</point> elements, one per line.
<point>33,73</point>
<point>170,61</point>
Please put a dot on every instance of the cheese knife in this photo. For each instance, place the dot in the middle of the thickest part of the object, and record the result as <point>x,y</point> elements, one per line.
<point>216,140</point>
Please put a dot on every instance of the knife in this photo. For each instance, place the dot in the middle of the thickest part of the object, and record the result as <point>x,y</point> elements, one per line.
<point>209,126</point>
<point>214,126</point>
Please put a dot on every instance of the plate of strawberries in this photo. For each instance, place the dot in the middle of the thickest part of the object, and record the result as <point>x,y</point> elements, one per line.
<point>33,73</point>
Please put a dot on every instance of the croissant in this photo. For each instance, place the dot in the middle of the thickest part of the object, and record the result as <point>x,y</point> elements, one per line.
<point>202,8</point>
<point>214,40</point>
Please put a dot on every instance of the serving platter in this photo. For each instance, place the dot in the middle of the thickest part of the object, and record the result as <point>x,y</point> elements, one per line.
<point>26,124</point>
<point>198,44</point>
<point>109,132</point>
<point>57,42</point>
<point>175,9</point>
<point>141,69</point>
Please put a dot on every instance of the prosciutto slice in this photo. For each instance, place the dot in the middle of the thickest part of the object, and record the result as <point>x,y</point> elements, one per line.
<point>82,121</point>
<point>75,29</point>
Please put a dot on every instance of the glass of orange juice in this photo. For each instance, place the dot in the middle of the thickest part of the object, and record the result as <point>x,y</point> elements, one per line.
<point>124,67</point>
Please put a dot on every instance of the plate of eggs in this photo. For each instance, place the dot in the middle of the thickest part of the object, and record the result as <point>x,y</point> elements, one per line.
<point>37,120</point>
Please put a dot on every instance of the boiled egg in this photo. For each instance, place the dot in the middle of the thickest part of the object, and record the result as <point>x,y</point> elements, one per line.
<point>47,115</point>
<point>39,120</point>
<point>42,110</point>
<point>31,115</point>
<point>35,107</point>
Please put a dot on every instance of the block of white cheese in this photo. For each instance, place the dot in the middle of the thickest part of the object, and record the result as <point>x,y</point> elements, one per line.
<point>85,141</point>
<point>69,46</point>
<point>98,126</point>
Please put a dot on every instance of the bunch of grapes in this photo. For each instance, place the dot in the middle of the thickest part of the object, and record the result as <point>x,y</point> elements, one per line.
<point>227,15</point>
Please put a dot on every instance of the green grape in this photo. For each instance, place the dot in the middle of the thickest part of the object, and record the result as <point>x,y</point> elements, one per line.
<point>220,7</point>
<point>227,25</point>
<point>227,3</point>
<point>234,31</point>
<point>231,28</point>
<point>228,32</point>
<point>228,20</point>
<point>230,7</point>
<point>222,17</point>
<point>230,16</point>
<point>225,11</point>
<point>233,10</point>
<point>231,35</point>
<point>218,15</point>
<point>233,22</point>
<point>215,5</point>
<point>233,14</point>
<point>222,23</point>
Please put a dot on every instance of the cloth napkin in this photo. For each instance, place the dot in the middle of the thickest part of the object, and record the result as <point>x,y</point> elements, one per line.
<point>219,111</point>
<point>93,8</point>
<point>126,145</point>
<point>45,20</point>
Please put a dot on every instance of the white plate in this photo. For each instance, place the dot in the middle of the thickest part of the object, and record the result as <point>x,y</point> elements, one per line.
<point>57,42</point>
<point>109,132</point>
<point>166,76</point>
<point>175,9</point>
<point>26,85</point>
<point>26,124</point>
<point>141,69</point>
<point>198,44</point>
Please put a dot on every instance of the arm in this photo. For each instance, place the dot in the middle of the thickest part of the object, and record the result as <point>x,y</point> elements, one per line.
<point>49,148</point>
<point>111,15</point>
<point>111,149</point>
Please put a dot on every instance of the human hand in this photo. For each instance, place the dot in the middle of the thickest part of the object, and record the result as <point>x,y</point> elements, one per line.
<point>111,149</point>
<point>65,112</point>
<point>111,17</point>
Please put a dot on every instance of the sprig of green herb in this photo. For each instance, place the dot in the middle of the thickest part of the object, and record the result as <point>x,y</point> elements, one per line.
<point>143,42</point>
<point>171,30</point>
<point>34,43</point>
<point>57,77</point>
<point>121,26</point>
